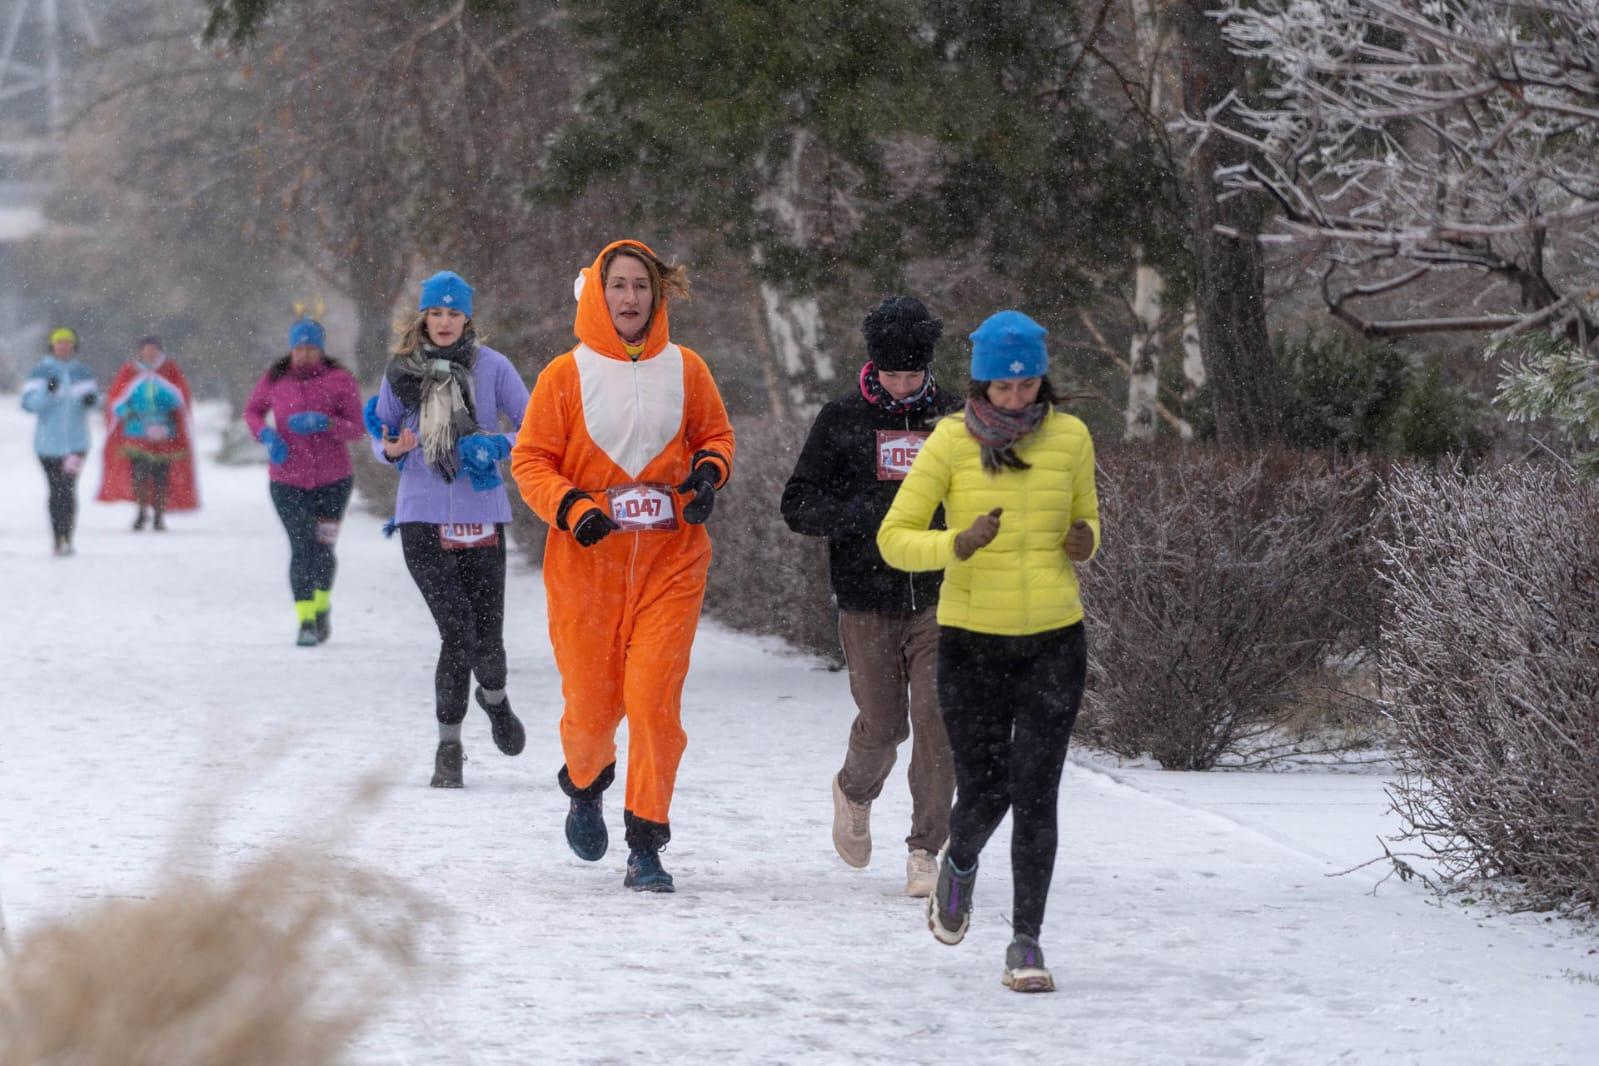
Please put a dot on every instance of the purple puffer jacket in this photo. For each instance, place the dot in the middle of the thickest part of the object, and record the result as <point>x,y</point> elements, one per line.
<point>314,458</point>
<point>424,496</point>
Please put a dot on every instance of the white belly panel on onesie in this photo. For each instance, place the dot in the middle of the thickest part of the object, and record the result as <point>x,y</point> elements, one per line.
<point>633,409</point>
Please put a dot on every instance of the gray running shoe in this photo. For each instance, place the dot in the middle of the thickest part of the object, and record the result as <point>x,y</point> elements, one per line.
<point>1024,966</point>
<point>949,908</point>
<point>447,764</point>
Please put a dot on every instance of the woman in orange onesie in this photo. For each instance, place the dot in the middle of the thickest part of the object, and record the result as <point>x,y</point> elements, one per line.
<point>622,450</point>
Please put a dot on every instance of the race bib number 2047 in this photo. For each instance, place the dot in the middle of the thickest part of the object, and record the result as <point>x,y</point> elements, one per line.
<point>642,507</point>
<point>896,451</point>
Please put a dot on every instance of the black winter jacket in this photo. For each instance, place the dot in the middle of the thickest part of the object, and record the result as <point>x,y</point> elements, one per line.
<point>835,492</point>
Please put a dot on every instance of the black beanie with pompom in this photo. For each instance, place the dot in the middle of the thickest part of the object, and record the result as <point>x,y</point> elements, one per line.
<point>900,334</point>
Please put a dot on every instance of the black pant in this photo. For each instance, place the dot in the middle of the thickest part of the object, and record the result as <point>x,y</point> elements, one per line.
<point>305,514</point>
<point>1009,704</point>
<point>465,590</point>
<point>150,482</point>
<point>63,495</point>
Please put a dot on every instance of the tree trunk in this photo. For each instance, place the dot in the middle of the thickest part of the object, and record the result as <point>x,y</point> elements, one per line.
<point>1143,379</point>
<point>1229,273</point>
<point>377,269</point>
<point>793,317</point>
<point>1193,356</point>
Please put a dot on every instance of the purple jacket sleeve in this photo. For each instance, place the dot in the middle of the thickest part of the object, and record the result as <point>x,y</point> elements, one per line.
<point>390,413</point>
<point>510,396</point>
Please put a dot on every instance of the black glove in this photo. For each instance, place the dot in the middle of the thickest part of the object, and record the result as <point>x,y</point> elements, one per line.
<point>702,483</point>
<point>88,399</point>
<point>52,385</point>
<point>593,528</point>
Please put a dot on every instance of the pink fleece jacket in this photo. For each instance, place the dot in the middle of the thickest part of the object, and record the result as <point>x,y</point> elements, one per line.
<point>314,458</point>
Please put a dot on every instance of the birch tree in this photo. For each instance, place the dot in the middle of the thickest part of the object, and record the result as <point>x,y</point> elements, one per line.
<point>1451,141</point>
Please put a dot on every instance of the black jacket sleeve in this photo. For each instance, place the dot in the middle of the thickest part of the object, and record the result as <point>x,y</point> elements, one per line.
<point>813,503</point>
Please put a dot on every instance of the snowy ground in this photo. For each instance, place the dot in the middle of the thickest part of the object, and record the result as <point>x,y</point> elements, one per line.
<point>154,678</point>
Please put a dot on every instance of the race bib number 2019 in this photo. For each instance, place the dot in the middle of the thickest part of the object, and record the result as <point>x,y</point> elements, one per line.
<point>643,507</point>
<point>455,536</point>
<point>896,451</point>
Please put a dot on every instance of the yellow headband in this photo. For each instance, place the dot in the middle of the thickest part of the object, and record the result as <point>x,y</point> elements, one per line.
<point>63,333</point>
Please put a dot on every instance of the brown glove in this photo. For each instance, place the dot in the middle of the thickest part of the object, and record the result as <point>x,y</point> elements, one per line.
<point>978,534</point>
<point>1079,542</point>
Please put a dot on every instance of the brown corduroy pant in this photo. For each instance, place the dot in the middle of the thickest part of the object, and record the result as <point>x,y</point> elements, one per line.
<point>893,674</point>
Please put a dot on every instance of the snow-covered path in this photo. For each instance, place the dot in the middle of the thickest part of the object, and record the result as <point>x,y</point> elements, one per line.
<point>152,680</point>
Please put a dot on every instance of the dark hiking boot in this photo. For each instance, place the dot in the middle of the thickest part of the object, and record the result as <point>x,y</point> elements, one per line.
<point>585,829</point>
<point>307,635</point>
<point>447,764</point>
<point>509,736</point>
<point>1024,966</point>
<point>324,627</point>
<point>949,908</point>
<point>644,872</point>
<point>160,523</point>
<point>138,523</point>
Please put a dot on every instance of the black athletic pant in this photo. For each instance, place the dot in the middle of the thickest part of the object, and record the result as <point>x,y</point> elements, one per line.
<point>150,482</point>
<point>1009,704</point>
<point>63,495</point>
<point>311,518</point>
<point>465,590</point>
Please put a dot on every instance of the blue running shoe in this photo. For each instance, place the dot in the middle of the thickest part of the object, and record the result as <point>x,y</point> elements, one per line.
<point>644,873</point>
<point>585,829</point>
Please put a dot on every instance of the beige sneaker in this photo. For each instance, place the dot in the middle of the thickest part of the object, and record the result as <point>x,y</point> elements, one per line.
<point>921,873</point>
<point>852,828</point>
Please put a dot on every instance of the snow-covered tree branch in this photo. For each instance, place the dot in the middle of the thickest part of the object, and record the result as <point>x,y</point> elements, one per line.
<point>1414,137</point>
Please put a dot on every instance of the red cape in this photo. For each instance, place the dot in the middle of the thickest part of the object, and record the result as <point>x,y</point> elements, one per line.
<point>117,483</point>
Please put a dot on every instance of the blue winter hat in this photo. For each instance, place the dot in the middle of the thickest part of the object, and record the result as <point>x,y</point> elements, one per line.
<point>446,289</point>
<point>307,331</point>
<point>1009,345</point>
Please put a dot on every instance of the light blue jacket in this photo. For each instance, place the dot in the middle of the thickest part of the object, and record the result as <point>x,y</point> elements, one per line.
<point>63,412</point>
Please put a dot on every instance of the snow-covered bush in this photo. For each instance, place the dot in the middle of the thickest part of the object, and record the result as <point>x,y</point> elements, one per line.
<point>1490,670</point>
<point>1224,584</point>
<point>764,577</point>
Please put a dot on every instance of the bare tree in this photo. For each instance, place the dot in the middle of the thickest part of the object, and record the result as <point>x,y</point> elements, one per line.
<point>1409,138</point>
<point>1230,281</point>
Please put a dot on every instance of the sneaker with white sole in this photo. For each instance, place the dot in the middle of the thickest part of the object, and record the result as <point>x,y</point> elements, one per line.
<point>1024,966</point>
<point>852,828</point>
<point>921,873</point>
<point>949,908</point>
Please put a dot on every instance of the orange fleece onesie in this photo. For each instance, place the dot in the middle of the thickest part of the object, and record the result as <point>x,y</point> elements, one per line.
<point>622,613</point>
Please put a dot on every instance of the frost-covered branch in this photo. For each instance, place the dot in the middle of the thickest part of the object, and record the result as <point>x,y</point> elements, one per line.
<point>1448,134</point>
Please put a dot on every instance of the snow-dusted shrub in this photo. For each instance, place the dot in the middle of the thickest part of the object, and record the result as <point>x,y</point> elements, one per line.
<point>283,963</point>
<point>1224,584</point>
<point>764,577</point>
<point>1490,670</point>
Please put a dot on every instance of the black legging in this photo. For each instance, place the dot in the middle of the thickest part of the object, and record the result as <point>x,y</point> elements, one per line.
<point>63,494</point>
<point>303,511</point>
<point>1009,704</point>
<point>465,590</point>
<point>150,482</point>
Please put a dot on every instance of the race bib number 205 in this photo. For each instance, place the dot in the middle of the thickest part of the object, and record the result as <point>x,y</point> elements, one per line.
<point>896,451</point>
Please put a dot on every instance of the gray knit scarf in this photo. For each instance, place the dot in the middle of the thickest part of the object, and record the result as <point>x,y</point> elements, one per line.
<point>998,431</point>
<point>437,384</point>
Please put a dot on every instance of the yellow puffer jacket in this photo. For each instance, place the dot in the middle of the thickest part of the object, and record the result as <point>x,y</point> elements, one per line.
<point>1021,582</point>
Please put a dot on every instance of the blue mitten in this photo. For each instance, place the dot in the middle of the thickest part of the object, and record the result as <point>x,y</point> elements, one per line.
<point>308,422</point>
<point>369,415</point>
<point>277,448</point>
<point>480,457</point>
